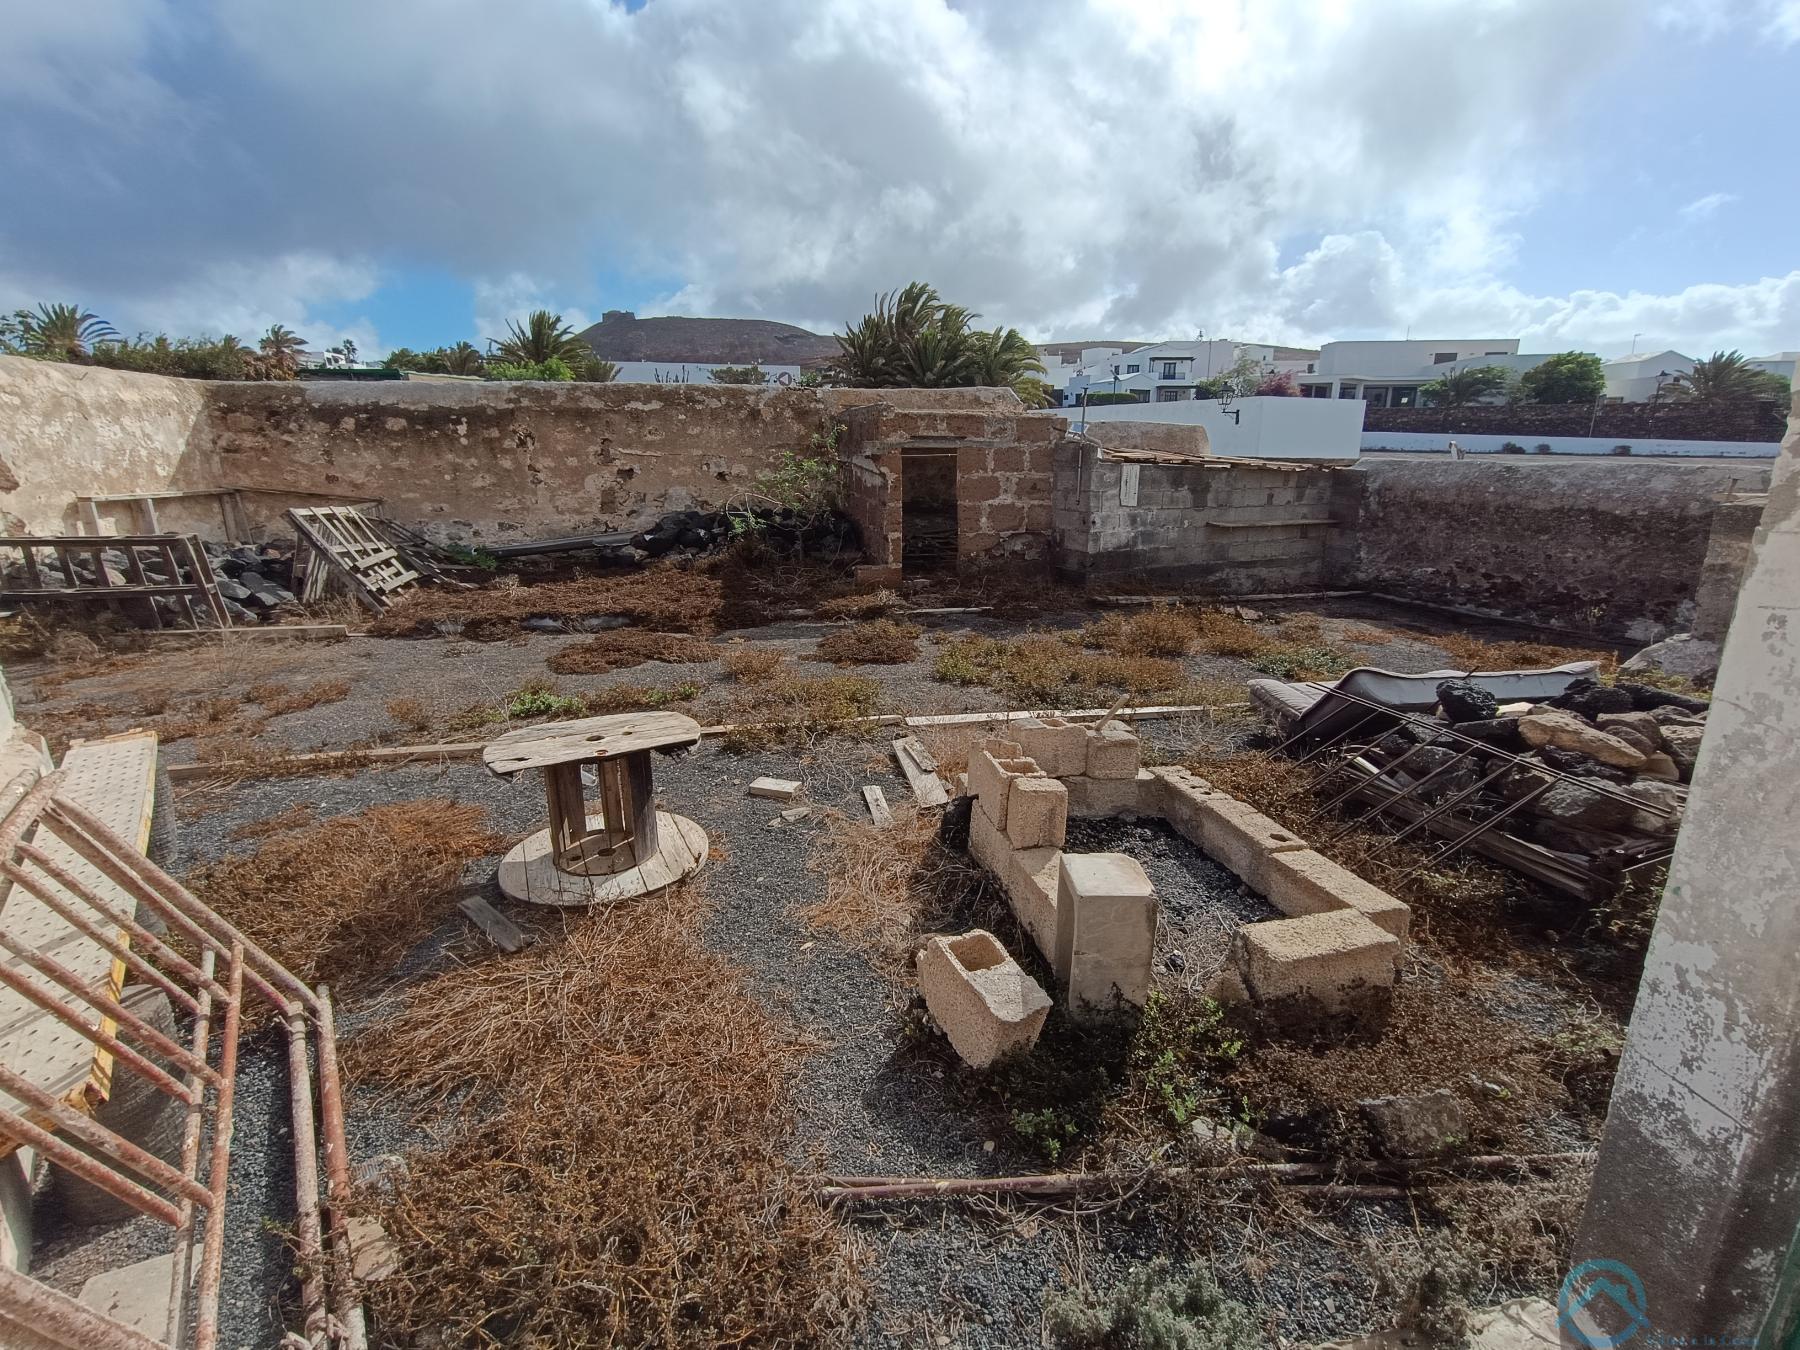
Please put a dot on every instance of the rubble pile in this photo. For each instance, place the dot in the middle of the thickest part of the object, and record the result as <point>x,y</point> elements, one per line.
<point>254,582</point>
<point>1634,744</point>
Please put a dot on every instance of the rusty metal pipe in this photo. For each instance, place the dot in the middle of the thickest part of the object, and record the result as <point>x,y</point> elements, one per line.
<point>101,1002</point>
<point>105,1040</point>
<point>73,1123</point>
<point>190,1162</point>
<point>263,970</point>
<point>306,1186</point>
<point>212,1256</point>
<point>72,1159</point>
<point>346,1305</point>
<point>27,809</point>
<point>140,935</point>
<point>37,1309</point>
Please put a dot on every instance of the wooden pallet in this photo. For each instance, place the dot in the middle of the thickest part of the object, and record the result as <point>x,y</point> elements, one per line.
<point>172,552</point>
<point>340,541</point>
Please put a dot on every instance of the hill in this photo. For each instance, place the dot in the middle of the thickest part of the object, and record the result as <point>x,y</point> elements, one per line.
<point>622,336</point>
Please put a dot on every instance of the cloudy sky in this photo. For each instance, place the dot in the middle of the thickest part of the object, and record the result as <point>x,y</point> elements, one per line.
<point>1577,173</point>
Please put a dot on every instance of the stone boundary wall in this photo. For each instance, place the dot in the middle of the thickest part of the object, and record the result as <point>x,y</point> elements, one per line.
<point>1599,545</point>
<point>1232,525</point>
<point>1762,420</point>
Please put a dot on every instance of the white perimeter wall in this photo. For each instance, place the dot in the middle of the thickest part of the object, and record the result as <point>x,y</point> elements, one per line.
<point>1439,442</point>
<point>1265,428</point>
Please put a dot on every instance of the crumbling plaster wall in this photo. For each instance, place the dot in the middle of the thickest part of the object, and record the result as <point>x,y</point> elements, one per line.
<point>79,430</point>
<point>1614,546</point>
<point>1236,527</point>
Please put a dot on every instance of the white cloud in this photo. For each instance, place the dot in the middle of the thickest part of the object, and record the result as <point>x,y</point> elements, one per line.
<point>1092,169</point>
<point>1703,208</point>
<point>1775,21</point>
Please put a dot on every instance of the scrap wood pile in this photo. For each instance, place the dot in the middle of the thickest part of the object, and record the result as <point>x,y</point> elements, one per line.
<point>1588,785</point>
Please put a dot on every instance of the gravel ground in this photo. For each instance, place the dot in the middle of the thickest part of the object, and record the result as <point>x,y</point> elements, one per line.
<point>872,1099</point>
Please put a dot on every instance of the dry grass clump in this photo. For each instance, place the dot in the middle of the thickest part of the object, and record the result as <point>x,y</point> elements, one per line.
<point>1160,630</point>
<point>1371,635</point>
<point>295,816</point>
<point>864,605</point>
<point>1043,670</point>
<point>793,710</point>
<point>665,597</point>
<point>879,642</point>
<point>1468,652</point>
<point>629,647</point>
<point>343,899</point>
<point>410,713</point>
<point>627,698</point>
<point>277,699</point>
<point>1225,634</point>
<point>752,665</point>
<point>616,1169</point>
<point>876,883</point>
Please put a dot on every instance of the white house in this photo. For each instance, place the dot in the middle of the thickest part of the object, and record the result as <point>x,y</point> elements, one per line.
<point>1390,374</point>
<point>1782,364</point>
<point>1251,428</point>
<point>1166,372</point>
<point>1638,378</point>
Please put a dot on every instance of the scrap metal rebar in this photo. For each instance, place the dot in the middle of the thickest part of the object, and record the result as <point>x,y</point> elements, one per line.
<point>1440,809</point>
<point>346,1305</point>
<point>95,1173</point>
<point>310,1251</point>
<point>98,1035</point>
<point>1476,831</point>
<point>190,1161</point>
<point>212,1255</point>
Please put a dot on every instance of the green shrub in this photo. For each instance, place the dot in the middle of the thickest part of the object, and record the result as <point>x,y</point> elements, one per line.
<point>1107,397</point>
<point>1155,1307</point>
<point>544,703</point>
<point>555,368</point>
<point>1049,1130</point>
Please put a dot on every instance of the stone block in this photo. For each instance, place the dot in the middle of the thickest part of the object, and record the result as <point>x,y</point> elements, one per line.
<point>1304,882</point>
<point>988,1007</point>
<point>1037,813</point>
<point>991,779</point>
<point>1058,746</point>
<point>987,841</point>
<point>1091,797</point>
<point>1030,881</point>
<point>1326,962</point>
<point>776,789</point>
<point>1112,752</point>
<point>1240,837</point>
<point>1105,932</point>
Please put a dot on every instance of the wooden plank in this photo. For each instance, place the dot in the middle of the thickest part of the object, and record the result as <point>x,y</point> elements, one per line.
<point>590,738</point>
<point>878,806</point>
<point>500,930</point>
<point>927,788</point>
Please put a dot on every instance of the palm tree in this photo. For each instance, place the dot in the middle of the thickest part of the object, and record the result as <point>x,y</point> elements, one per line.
<point>543,336</point>
<point>1725,377</point>
<point>1459,388</point>
<point>62,331</point>
<point>1004,359</point>
<point>591,369</point>
<point>281,348</point>
<point>912,337</point>
<point>462,359</point>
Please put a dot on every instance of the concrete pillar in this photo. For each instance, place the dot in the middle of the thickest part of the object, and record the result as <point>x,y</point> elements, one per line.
<point>1697,1189</point>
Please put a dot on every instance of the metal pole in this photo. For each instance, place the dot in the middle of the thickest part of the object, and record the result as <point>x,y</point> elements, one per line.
<point>345,1304</point>
<point>306,1186</point>
<point>212,1255</point>
<point>190,1164</point>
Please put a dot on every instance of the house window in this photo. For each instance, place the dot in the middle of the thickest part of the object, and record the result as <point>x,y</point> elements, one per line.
<point>1312,367</point>
<point>1132,370</point>
<point>1404,398</point>
<point>1170,395</point>
<point>1496,353</point>
<point>1439,358</point>
<point>1168,370</point>
<point>1348,391</point>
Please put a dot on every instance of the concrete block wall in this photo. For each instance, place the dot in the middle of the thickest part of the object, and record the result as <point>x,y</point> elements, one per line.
<point>1235,526</point>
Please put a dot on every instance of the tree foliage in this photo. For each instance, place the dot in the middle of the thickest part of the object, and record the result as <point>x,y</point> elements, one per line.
<point>1277,384</point>
<point>1240,381</point>
<point>750,374</point>
<point>555,369</point>
<point>913,338</point>
<point>1726,377</point>
<point>1567,377</point>
<point>1459,388</point>
<point>543,337</point>
<point>58,332</point>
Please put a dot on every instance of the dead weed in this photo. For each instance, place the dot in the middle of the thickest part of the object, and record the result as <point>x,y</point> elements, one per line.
<point>793,710</point>
<point>752,665</point>
<point>277,699</point>
<point>616,1169</point>
<point>878,642</point>
<point>1468,652</point>
<point>1044,670</point>
<point>1160,630</point>
<point>629,647</point>
<point>665,596</point>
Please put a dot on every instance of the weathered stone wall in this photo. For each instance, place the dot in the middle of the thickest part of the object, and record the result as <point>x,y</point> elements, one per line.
<point>489,462</point>
<point>78,430</point>
<point>1236,527</point>
<point>1170,438</point>
<point>1614,546</point>
<point>1763,420</point>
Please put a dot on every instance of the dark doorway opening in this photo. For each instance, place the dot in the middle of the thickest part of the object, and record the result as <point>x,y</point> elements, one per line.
<point>927,509</point>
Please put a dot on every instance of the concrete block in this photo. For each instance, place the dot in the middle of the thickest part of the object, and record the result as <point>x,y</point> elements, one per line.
<point>987,1006</point>
<point>1328,962</point>
<point>1175,794</point>
<point>1030,880</point>
<point>1090,797</point>
<point>991,778</point>
<point>1037,813</point>
<point>138,1294</point>
<point>776,789</point>
<point>1058,746</point>
<point>1105,932</point>
<point>1239,837</point>
<point>1304,882</point>
<point>987,841</point>
<point>1112,752</point>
